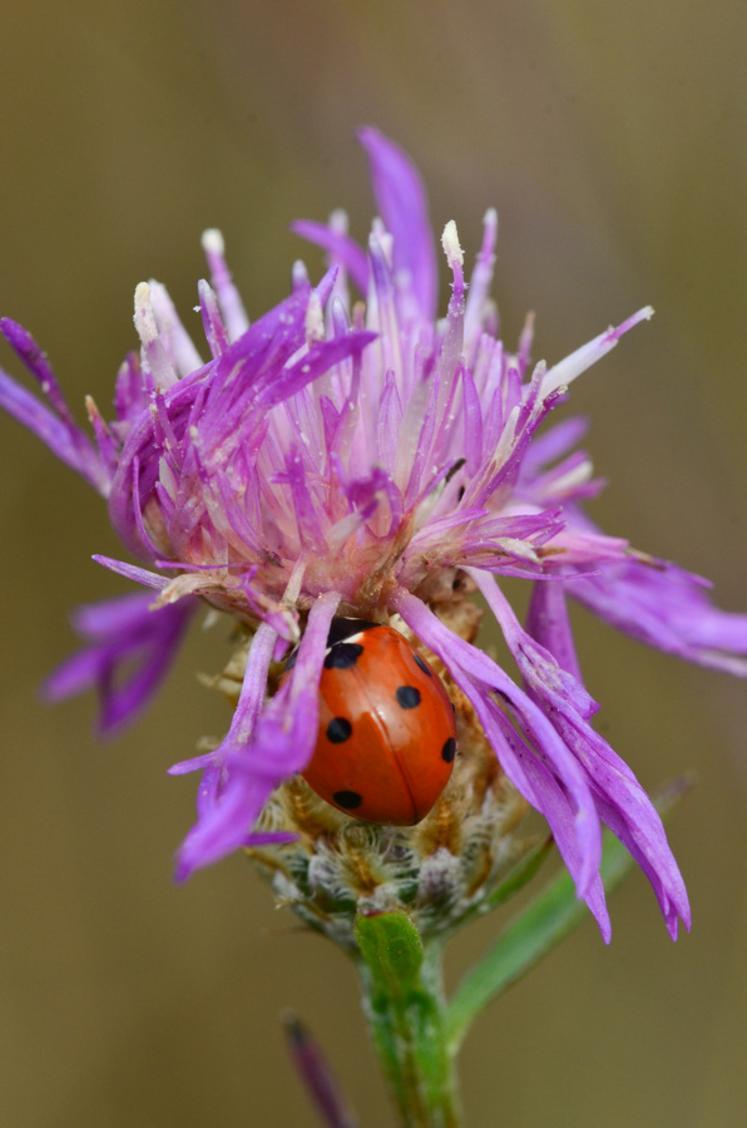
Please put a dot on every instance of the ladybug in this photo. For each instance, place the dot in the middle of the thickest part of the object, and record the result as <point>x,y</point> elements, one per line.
<point>387,736</point>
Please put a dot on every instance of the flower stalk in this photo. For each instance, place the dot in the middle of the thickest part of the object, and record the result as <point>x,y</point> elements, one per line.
<point>404,1002</point>
<point>416,1030</point>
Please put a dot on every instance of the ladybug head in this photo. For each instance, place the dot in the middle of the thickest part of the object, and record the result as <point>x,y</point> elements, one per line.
<point>344,628</point>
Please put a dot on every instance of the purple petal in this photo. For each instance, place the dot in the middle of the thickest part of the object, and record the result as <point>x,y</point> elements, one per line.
<point>569,369</point>
<point>321,356</point>
<point>262,748</point>
<point>110,616</point>
<point>215,331</point>
<point>35,360</point>
<point>132,572</point>
<point>402,202</point>
<point>548,623</point>
<point>278,333</point>
<point>538,664</point>
<point>479,286</point>
<point>340,247</point>
<point>231,304</point>
<point>568,481</point>
<point>132,649</point>
<point>130,392</point>
<point>107,443</point>
<point>666,607</point>
<point>269,838</point>
<point>194,764</point>
<point>76,674</point>
<point>620,800</point>
<point>70,446</point>
<point>554,443</point>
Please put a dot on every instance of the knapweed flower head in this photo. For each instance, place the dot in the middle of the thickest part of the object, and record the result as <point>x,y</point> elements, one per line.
<point>359,457</point>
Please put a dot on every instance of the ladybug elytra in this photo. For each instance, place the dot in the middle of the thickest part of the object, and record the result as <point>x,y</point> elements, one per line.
<point>387,736</point>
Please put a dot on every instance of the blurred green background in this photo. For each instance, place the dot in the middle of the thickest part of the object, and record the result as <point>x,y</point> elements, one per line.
<point>611,138</point>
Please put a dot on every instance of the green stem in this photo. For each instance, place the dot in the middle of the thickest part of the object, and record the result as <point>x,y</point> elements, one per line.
<point>406,1019</point>
<point>416,1033</point>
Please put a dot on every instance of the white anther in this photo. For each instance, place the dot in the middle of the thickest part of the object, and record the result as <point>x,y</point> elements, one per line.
<point>213,242</point>
<point>314,318</point>
<point>451,245</point>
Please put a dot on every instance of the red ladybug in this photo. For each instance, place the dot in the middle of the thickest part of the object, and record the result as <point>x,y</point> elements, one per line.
<point>386,742</point>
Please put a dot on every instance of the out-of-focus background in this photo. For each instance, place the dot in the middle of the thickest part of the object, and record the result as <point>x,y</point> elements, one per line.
<point>611,138</point>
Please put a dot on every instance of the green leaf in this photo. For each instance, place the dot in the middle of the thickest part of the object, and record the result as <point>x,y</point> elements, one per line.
<point>542,925</point>
<point>521,874</point>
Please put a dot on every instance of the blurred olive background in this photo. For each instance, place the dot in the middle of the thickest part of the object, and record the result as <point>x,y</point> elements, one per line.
<point>611,138</point>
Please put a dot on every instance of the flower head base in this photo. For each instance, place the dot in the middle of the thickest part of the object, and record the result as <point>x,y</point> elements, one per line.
<point>440,872</point>
<point>364,459</point>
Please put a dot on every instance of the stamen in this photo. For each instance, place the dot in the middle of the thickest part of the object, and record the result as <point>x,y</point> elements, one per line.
<point>451,353</point>
<point>338,221</point>
<point>562,374</point>
<point>231,304</point>
<point>154,357</point>
<point>314,324</point>
<point>454,256</point>
<point>185,355</point>
<point>299,275</point>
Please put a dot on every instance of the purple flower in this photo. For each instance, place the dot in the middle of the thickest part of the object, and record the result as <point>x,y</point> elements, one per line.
<point>335,458</point>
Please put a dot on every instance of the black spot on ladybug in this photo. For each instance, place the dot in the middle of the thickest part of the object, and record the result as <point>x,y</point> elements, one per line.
<point>343,655</point>
<point>344,628</point>
<point>423,665</point>
<point>339,729</point>
<point>348,799</point>
<point>448,752</point>
<point>408,696</point>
